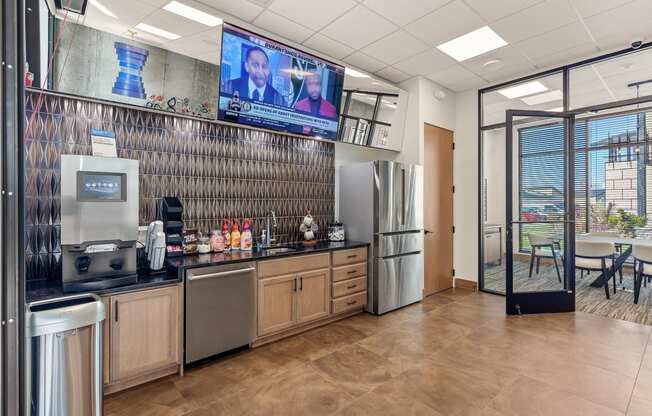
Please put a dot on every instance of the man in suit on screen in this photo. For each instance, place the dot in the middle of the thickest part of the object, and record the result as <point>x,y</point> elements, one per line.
<point>254,85</point>
<point>314,103</point>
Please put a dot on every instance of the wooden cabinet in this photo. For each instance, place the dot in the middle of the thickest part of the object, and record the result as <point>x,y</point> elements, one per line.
<point>144,336</point>
<point>354,255</point>
<point>312,295</point>
<point>349,286</point>
<point>276,303</point>
<point>288,300</point>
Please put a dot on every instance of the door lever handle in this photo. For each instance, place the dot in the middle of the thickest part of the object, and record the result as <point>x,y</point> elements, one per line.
<point>427,232</point>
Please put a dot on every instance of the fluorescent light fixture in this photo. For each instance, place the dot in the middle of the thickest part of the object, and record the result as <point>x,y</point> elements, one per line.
<point>156,31</point>
<point>546,97</point>
<point>556,109</point>
<point>522,90</point>
<point>472,44</point>
<point>193,14</point>
<point>354,73</point>
<point>99,6</point>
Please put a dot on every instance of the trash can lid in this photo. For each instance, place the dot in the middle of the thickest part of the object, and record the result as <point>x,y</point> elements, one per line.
<point>63,314</point>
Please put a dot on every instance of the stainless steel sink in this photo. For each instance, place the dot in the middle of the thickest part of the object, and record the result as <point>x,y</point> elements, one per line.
<point>279,250</point>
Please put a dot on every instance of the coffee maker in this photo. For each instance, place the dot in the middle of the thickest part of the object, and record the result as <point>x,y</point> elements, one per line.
<point>99,222</point>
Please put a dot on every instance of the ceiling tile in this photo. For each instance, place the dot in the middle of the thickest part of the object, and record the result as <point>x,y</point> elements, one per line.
<point>283,27</point>
<point>446,23</point>
<point>365,62</point>
<point>128,13</point>
<point>311,13</point>
<point>535,20</point>
<point>425,63</point>
<point>494,10</point>
<point>395,47</point>
<point>393,74</point>
<point>204,43</point>
<point>566,56</point>
<point>618,27</point>
<point>174,23</point>
<point>587,8</point>
<point>328,46</point>
<point>512,61</point>
<point>348,28</point>
<point>156,3</point>
<point>241,9</point>
<point>457,78</point>
<point>404,12</point>
<point>555,41</point>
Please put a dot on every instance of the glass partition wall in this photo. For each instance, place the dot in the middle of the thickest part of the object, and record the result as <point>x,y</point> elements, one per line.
<point>611,99</point>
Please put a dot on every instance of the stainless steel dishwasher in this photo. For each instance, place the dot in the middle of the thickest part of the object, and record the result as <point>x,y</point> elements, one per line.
<point>220,309</point>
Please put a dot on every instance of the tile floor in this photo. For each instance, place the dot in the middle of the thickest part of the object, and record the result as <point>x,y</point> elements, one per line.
<point>455,354</point>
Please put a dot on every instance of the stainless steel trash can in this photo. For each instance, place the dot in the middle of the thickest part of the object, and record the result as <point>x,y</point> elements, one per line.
<point>64,356</point>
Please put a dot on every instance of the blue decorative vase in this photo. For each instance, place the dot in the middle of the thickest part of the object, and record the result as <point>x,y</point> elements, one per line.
<point>130,79</point>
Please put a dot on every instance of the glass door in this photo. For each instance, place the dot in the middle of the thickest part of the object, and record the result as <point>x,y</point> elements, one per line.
<point>540,212</point>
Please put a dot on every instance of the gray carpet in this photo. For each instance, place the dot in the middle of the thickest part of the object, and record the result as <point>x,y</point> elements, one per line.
<point>588,299</point>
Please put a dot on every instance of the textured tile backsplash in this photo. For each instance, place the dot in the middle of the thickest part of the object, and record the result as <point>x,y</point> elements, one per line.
<point>218,171</point>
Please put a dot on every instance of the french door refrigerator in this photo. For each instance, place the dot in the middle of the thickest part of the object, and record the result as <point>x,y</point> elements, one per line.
<point>382,202</point>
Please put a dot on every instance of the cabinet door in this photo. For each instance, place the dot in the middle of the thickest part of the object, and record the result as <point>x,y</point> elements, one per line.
<point>313,296</point>
<point>276,303</point>
<point>144,332</point>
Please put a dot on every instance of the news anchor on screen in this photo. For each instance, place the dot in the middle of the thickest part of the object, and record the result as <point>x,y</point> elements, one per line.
<point>255,85</point>
<point>314,103</point>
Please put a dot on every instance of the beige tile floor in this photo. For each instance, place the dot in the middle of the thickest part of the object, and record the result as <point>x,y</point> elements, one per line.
<point>455,354</point>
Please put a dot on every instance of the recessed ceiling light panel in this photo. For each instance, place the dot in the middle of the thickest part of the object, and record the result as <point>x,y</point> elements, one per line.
<point>472,44</point>
<point>546,97</point>
<point>193,14</point>
<point>354,73</point>
<point>522,90</point>
<point>99,6</point>
<point>156,31</point>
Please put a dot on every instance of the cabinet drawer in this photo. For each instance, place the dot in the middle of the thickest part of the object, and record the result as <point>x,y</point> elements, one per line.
<point>355,255</point>
<point>348,287</point>
<point>350,302</point>
<point>295,264</point>
<point>349,272</point>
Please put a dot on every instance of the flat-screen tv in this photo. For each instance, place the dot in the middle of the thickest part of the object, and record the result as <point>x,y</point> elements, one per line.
<point>264,83</point>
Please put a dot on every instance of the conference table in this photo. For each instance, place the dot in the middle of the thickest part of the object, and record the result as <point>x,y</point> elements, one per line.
<point>626,250</point>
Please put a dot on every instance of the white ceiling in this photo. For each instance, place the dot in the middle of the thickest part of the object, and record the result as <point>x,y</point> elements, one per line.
<point>396,40</point>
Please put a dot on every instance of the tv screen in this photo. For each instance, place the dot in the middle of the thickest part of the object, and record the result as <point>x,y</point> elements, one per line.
<point>266,84</point>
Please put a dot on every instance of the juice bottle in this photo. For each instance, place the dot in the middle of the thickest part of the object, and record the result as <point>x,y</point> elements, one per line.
<point>235,236</point>
<point>246,239</point>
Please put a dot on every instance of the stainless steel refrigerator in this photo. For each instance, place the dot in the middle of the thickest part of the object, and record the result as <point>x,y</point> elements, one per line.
<point>382,202</point>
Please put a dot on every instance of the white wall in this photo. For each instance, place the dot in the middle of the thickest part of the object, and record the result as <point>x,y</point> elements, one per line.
<point>424,107</point>
<point>465,177</point>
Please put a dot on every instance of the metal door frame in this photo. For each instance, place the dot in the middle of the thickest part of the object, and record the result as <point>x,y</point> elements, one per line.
<point>547,301</point>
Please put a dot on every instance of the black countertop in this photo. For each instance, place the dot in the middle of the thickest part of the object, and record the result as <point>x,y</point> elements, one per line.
<point>49,289</point>
<point>217,259</point>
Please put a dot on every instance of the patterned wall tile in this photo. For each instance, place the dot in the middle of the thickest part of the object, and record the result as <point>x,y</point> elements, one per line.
<point>218,171</point>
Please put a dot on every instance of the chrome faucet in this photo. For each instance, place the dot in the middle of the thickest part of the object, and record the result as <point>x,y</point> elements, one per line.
<point>268,238</point>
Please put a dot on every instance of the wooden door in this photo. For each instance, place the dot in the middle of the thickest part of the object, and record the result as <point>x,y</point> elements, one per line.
<point>144,332</point>
<point>438,209</point>
<point>313,296</point>
<point>276,303</point>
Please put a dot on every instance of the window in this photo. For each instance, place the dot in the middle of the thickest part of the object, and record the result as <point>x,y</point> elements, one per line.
<point>366,117</point>
<point>611,172</point>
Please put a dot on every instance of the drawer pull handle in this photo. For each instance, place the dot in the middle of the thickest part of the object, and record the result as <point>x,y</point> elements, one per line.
<point>352,286</point>
<point>352,256</point>
<point>351,271</point>
<point>352,302</point>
